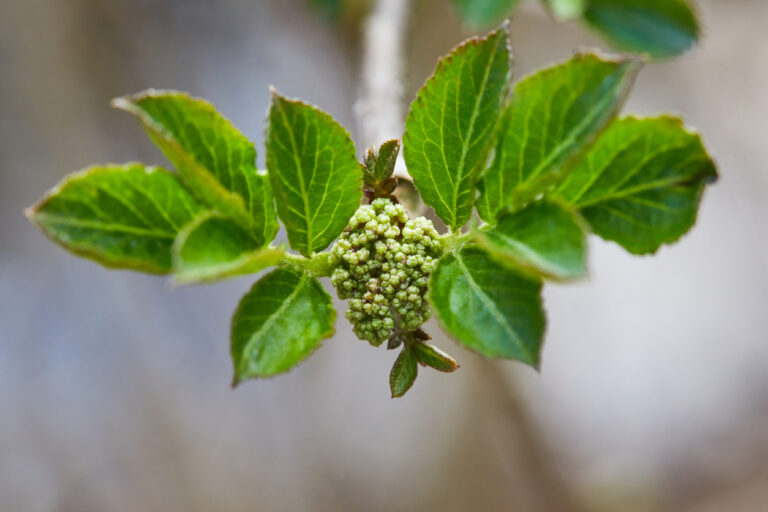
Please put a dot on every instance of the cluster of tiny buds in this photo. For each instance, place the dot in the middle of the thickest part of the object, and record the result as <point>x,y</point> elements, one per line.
<point>382,264</point>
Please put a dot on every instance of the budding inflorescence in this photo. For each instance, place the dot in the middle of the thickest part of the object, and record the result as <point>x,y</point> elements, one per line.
<point>382,265</point>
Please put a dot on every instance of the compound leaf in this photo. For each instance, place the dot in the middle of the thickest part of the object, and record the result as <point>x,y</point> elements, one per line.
<point>641,183</point>
<point>553,116</point>
<point>481,13</point>
<point>487,306</point>
<point>122,216</point>
<point>543,236</point>
<point>660,28</point>
<point>315,174</point>
<point>279,323</point>
<point>213,157</point>
<point>451,121</point>
<point>212,247</point>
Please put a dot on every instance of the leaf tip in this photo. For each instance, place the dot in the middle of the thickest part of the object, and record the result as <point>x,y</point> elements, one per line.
<point>30,212</point>
<point>121,103</point>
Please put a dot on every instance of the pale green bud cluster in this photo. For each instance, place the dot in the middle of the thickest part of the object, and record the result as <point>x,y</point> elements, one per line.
<point>382,264</point>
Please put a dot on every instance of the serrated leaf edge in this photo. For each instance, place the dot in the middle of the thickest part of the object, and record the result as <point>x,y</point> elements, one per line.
<point>534,363</point>
<point>332,315</point>
<point>442,64</point>
<point>31,212</point>
<point>129,103</point>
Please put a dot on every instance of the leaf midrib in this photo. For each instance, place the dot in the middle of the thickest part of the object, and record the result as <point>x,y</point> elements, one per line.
<point>253,339</point>
<point>102,226</point>
<point>533,256</point>
<point>468,141</point>
<point>498,315</point>
<point>299,172</point>
<point>570,141</point>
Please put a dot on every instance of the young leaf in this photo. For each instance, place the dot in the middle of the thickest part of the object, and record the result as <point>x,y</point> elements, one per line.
<point>488,307</point>
<point>481,13</point>
<point>212,247</point>
<point>122,216</point>
<point>278,323</point>
<point>451,122</point>
<point>641,183</point>
<point>543,236</point>
<point>563,10</point>
<point>660,28</point>
<point>553,116</point>
<point>379,166</point>
<point>430,355</point>
<point>403,372</point>
<point>314,171</point>
<point>215,159</point>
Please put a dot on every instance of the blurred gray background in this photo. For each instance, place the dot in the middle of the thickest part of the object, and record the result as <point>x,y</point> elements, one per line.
<point>114,388</point>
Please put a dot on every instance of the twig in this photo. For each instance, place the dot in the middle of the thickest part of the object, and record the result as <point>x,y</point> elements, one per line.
<point>379,107</point>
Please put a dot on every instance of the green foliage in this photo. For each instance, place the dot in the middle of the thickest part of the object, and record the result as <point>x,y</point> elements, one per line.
<point>314,171</point>
<point>481,13</point>
<point>554,114</point>
<point>543,237</point>
<point>451,123</point>
<point>548,164</point>
<point>641,183</point>
<point>430,355</point>
<point>212,247</point>
<point>378,168</point>
<point>122,216</point>
<point>658,28</point>
<point>488,307</point>
<point>404,372</point>
<point>217,162</point>
<point>278,323</point>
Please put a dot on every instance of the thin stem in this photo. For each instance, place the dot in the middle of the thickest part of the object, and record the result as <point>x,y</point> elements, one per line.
<point>319,265</point>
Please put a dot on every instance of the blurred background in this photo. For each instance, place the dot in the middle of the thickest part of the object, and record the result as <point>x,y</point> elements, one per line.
<point>114,388</point>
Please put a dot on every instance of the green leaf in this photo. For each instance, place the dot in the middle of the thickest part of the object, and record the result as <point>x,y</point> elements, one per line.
<point>487,306</point>
<point>430,355</point>
<point>315,173</point>
<point>543,236</point>
<point>215,159</point>
<point>554,115</point>
<point>403,373</point>
<point>566,9</point>
<point>641,183</point>
<point>379,165</point>
<point>279,323</point>
<point>660,28</point>
<point>212,247</point>
<point>122,216</point>
<point>451,122</point>
<point>378,168</point>
<point>481,13</point>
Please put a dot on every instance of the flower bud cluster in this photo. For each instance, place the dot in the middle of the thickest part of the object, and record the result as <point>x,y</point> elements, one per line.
<point>382,264</point>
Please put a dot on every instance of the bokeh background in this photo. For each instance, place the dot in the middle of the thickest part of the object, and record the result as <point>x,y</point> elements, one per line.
<point>114,388</point>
